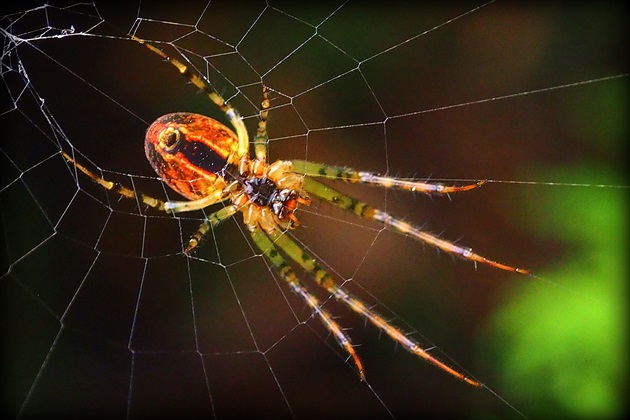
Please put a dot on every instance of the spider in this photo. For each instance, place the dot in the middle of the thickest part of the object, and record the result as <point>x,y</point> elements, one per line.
<point>209,163</point>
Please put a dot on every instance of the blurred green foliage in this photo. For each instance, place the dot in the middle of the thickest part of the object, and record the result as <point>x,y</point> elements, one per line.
<point>561,345</point>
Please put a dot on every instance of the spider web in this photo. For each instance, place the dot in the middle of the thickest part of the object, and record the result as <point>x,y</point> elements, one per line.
<point>103,314</point>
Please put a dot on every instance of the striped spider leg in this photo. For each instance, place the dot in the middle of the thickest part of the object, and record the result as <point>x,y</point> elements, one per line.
<point>326,193</point>
<point>208,163</point>
<point>300,256</point>
<point>281,243</point>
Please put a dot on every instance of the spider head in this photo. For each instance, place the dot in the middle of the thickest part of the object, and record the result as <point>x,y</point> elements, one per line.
<point>189,152</point>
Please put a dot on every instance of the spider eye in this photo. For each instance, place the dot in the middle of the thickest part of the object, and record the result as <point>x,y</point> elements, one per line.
<point>169,139</point>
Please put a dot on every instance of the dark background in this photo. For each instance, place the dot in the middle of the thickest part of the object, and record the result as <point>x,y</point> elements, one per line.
<point>102,313</point>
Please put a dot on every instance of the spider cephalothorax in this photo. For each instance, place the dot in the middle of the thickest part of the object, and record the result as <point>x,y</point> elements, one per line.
<point>208,163</point>
<point>283,202</point>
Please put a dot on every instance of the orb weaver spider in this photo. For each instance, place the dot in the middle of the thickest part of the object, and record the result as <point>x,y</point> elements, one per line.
<point>208,163</point>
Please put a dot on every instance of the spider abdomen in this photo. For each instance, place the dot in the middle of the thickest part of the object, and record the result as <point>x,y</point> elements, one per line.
<point>190,152</point>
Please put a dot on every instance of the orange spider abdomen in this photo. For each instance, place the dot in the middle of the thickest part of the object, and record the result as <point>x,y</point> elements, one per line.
<point>189,152</point>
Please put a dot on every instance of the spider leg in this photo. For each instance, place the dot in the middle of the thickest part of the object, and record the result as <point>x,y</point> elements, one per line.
<point>211,221</point>
<point>197,80</point>
<point>260,140</point>
<point>166,206</point>
<point>270,252</point>
<point>366,211</point>
<point>350,175</point>
<point>323,279</point>
<point>116,187</point>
